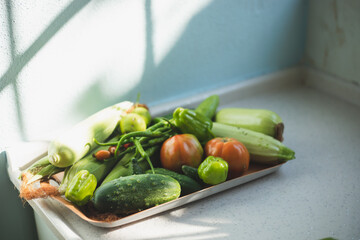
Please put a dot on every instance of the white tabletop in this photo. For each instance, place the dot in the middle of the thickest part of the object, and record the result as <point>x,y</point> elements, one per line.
<point>317,195</point>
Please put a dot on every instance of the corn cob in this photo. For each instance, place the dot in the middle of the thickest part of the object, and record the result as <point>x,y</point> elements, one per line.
<point>262,148</point>
<point>259,120</point>
<point>41,169</point>
<point>98,168</point>
<point>76,143</point>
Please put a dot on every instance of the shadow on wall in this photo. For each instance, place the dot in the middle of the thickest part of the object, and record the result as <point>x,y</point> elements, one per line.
<point>201,59</point>
<point>18,219</point>
<point>213,50</point>
<point>20,61</point>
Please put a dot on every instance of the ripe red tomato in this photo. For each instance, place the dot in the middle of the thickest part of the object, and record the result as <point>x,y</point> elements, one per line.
<point>232,151</point>
<point>182,149</point>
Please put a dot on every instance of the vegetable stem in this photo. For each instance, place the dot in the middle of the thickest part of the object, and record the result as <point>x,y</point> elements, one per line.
<point>143,154</point>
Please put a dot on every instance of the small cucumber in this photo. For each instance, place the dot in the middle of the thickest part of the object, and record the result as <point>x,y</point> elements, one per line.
<point>208,106</point>
<point>138,167</point>
<point>191,172</point>
<point>135,193</point>
<point>188,185</point>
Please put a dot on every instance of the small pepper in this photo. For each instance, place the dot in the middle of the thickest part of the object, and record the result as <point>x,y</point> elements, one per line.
<point>189,121</point>
<point>213,170</point>
<point>81,188</point>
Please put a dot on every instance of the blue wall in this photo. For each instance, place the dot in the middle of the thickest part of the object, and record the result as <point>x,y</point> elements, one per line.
<point>71,59</point>
<point>227,42</point>
<point>91,54</point>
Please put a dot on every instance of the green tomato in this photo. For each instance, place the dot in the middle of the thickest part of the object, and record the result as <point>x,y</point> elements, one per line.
<point>132,122</point>
<point>213,170</point>
<point>144,113</point>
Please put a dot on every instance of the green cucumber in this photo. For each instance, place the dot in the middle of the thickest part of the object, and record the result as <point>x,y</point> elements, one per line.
<point>208,106</point>
<point>135,193</point>
<point>191,172</point>
<point>188,185</point>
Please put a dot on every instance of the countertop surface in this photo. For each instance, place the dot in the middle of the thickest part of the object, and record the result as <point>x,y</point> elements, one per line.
<point>317,195</point>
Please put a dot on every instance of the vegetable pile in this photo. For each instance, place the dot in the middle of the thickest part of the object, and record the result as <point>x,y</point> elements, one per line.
<point>121,160</point>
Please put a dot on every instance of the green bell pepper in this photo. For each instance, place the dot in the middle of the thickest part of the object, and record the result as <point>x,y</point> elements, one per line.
<point>81,188</point>
<point>213,170</point>
<point>189,121</point>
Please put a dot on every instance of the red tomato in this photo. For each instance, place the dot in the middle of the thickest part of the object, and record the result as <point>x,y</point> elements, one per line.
<point>232,151</point>
<point>182,149</point>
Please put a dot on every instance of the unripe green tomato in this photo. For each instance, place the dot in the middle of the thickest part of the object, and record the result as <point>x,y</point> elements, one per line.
<point>132,122</point>
<point>213,170</point>
<point>144,113</point>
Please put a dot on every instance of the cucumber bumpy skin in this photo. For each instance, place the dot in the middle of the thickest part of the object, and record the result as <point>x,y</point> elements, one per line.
<point>191,172</point>
<point>135,193</point>
<point>188,185</point>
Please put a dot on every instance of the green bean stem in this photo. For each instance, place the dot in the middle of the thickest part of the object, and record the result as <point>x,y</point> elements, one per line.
<point>143,153</point>
<point>126,137</point>
<point>105,144</point>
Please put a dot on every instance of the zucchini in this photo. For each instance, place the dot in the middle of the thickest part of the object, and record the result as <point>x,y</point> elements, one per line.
<point>188,185</point>
<point>259,120</point>
<point>135,193</point>
<point>79,141</point>
<point>262,148</point>
<point>208,106</point>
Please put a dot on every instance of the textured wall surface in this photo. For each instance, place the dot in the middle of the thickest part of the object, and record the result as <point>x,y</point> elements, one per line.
<point>333,38</point>
<point>63,60</point>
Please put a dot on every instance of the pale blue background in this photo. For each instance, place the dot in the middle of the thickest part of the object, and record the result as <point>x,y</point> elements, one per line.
<point>223,43</point>
<point>227,42</point>
<point>63,60</point>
